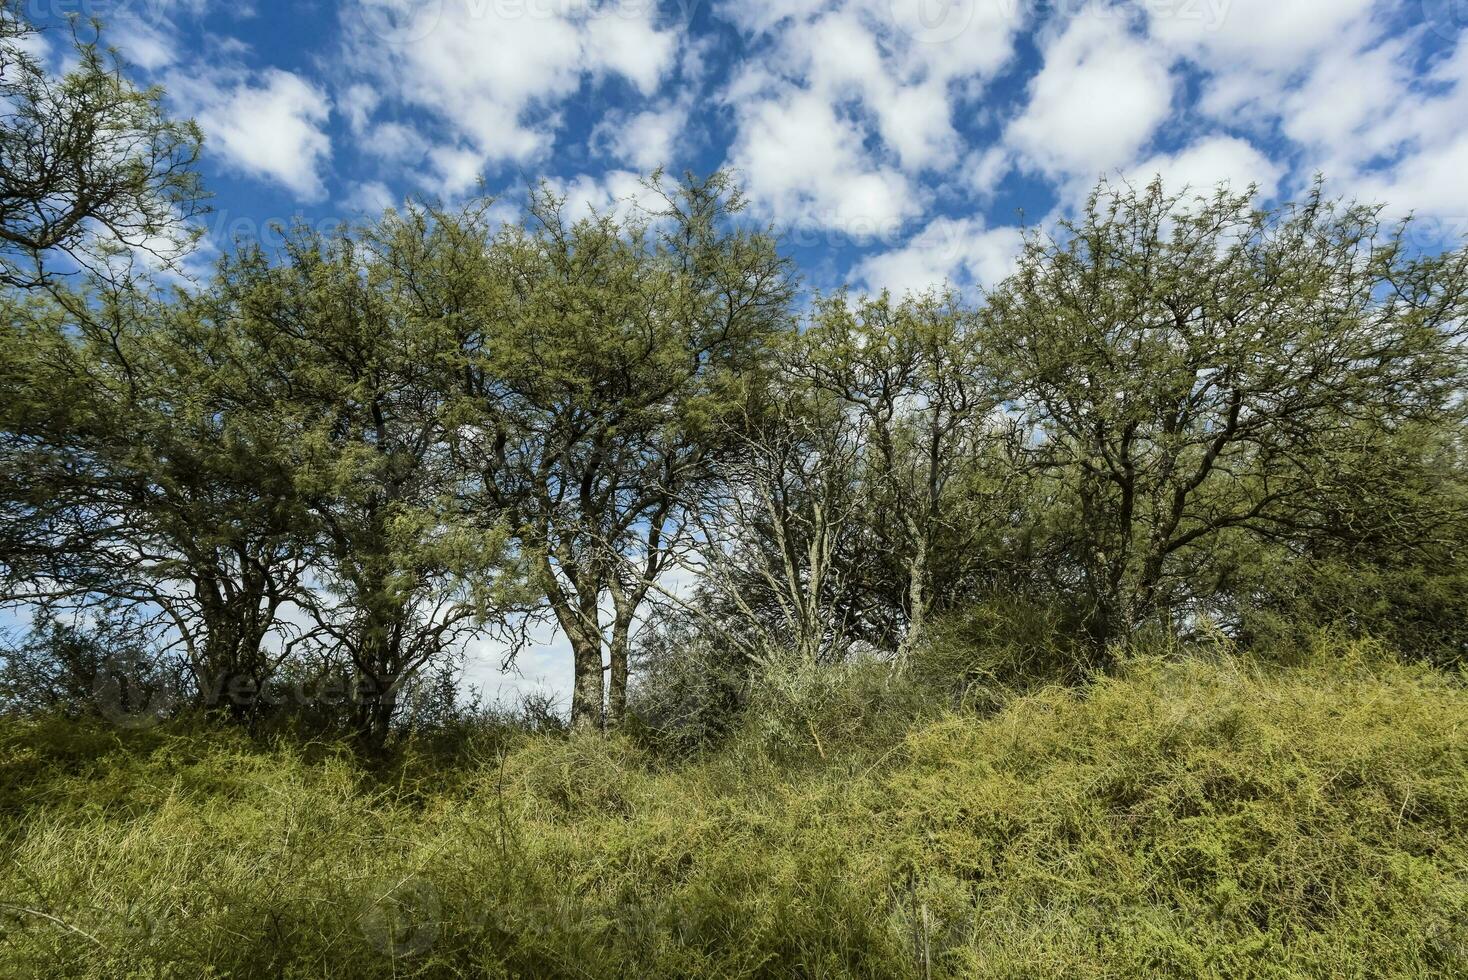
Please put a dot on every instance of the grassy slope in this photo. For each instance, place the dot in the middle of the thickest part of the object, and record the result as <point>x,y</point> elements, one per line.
<point>1194,820</point>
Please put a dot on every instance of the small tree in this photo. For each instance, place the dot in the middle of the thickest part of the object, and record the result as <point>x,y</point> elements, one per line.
<point>1184,369</point>
<point>131,483</point>
<point>343,347</point>
<point>785,560</point>
<point>912,372</point>
<point>91,167</point>
<point>608,352</point>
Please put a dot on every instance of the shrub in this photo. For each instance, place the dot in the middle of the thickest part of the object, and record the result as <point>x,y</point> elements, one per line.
<point>1218,818</point>
<point>977,653</point>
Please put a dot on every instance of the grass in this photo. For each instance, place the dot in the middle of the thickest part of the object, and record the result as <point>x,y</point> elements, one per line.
<point>1181,819</point>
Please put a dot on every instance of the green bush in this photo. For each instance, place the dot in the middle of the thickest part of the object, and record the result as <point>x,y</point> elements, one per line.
<point>981,652</point>
<point>1215,818</point>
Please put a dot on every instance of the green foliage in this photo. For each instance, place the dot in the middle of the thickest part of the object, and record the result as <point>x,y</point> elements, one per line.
<point>690,688</point>
<point>600,381</point>
<point>1001,645</point>
<point>1189,369</point>
<point>1181,819</point>
<point>92,168</point>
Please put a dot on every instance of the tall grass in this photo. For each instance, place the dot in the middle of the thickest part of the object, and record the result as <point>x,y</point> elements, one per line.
<point>1182,819</point>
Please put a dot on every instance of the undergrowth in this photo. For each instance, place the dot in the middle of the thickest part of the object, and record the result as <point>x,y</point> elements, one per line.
<point>1179,819</point>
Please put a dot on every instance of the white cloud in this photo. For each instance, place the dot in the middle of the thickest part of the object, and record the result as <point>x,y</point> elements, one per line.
<point>1403,143</point>
<point>357,102</point>
<point>611,193</point>
<point>1096,102</point>
<point>395,143</point>
<point>1209,162</point>
<point>370,197</point>
<point>271,125</point>
<point>1343,83</point>
<point>1252,35</point>
<point>805,165</point>
<point>455,170</point>
<point>843,107</point>
<point>143,44</point>
<point>496,72</point>
<point>961,252</point>
<point>646,140</point>
<point>1428,182</point>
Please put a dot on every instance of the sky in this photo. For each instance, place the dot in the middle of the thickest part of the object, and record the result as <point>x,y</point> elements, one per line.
<point>889,143</point>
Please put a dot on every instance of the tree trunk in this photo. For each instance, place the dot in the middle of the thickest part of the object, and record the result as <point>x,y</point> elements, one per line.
<point>917,615</point>
<point>588,689</point>
<point>232,674</point>
<point>617,688</point>
<point>373,711</point>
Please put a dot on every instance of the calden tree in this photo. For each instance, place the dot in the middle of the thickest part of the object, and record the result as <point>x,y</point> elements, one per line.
<point>342,348</point>
<point>608,353</point>
<point>1190,368</point>
<point>133,483</point>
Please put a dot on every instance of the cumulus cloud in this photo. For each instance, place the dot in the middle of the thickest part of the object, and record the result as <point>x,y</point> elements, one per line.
<point>1096,102</point>
<point>610,193</point>
<point>806,165</point>
<point>1252,35</point>
<point>1209,162</point>
<point>495,73</point>
<point>648,139</point>
<point>844,106</point>
<point>270,124</point>
<point>371,197</point>
<point>1340,88</point>
<point>960,252</point>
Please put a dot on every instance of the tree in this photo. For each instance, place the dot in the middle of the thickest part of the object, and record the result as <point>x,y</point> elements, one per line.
<point>1185,369</point>
<point>91,167</point>
<point>131,484</point>
<point>1382,553</point>
<point>608,354</point>
<point>785,557</point>
<point>343,346</point>
<point>913,373</point>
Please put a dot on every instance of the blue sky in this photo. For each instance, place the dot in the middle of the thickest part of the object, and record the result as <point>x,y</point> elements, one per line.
<point>892,143</point>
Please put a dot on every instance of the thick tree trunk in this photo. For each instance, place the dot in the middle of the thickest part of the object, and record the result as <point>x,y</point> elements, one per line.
<point>233,672</point>
<point>588,688</point>
<point>917,616</point>
<point>373,715</point>
<point>617,687</point>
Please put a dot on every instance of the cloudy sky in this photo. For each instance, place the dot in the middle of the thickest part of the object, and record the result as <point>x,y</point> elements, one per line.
<point>892,143</point>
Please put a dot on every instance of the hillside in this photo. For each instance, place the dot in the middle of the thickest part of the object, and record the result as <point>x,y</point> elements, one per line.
<point>1198,819</point>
